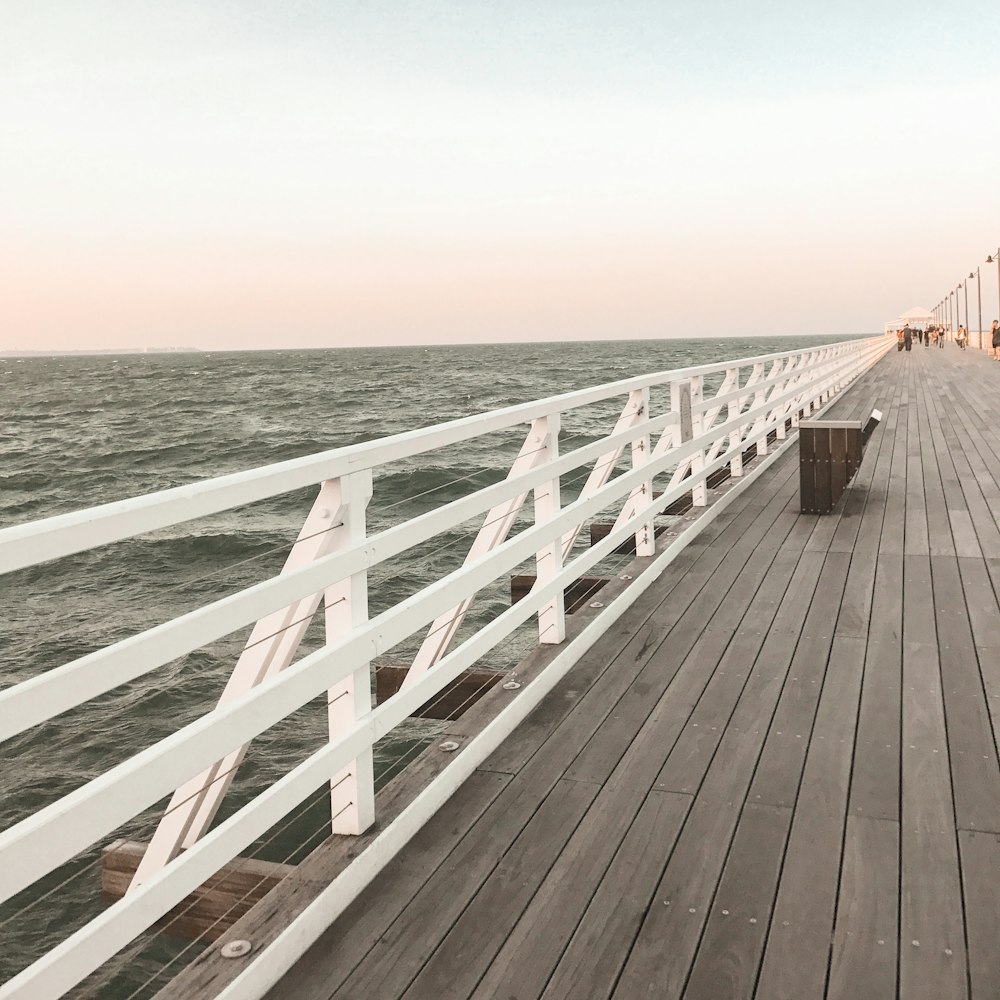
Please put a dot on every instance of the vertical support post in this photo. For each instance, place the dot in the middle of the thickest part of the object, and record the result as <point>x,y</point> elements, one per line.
<point>352,790</point>
<point>735,437</point>
<point>759,399</point>
<point>645,542</point>
<point>549,560</point>
<point>699,493</point>
<point>683,396</point>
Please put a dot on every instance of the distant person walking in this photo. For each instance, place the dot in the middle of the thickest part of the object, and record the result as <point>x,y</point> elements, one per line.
<point>996,340</point>
<point>940,338</point>
<point>961,338</point>
<point>920,335</point>
<point>899,340</point>
<point>907,337</point>
<point>927,336</point>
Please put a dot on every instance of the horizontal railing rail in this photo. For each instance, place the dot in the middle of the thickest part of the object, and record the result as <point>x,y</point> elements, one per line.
<point>695,439</point>
<point>65,534</point>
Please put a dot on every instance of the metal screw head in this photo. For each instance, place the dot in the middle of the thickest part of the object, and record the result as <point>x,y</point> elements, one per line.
<point>449,746</point>
<point>511,685</point>
<point>236,949</point>
<point>596,604</point>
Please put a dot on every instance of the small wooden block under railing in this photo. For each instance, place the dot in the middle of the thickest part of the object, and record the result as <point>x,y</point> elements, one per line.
<point>601,529</point>
<point>451,701</point>
<point>577,594</point>
<point>213,907</point>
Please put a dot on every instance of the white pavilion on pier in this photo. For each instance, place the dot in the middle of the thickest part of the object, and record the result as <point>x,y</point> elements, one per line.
<point>916,318</point>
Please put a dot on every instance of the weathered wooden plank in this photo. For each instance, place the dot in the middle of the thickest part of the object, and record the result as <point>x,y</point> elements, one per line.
<point>576,595</point>
<point>601,754</point>
<point>865,938</point>
<point>971,746</point>
<point>779,771</point>
<point>399,954</point>
<point>329,962</point>
<point>456,965</point>
<point>692,873</point>
<point>666,685</point>
<point>591,963</point>
<point>932,953</point>
<point>619,821</point>
<point>797,953</point>
<point>212,909</point>
<point>728,957</point>
<point>938,523</point>
<point>875,780</point>
<point>451,702</point>
<point>980,859</point>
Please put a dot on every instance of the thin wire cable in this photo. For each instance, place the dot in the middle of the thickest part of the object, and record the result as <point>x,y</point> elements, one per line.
<point>202,937</point>
<point>172,588</point>
<point>104,854</point>
<point>127,955</point>
<point>283,547</point>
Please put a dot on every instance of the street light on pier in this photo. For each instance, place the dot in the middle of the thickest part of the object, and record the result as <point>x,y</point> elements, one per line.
<point>965,285</point>
<point>989,260</point>
<point>979,300</point>
<point>951,312</point>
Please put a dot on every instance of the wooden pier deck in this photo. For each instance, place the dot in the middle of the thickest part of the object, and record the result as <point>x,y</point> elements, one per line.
<point>776,776</point>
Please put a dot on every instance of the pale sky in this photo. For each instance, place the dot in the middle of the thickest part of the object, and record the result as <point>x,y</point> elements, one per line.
<point>241,173</point>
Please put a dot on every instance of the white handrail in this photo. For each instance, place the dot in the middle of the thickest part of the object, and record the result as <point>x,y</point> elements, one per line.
<point>54,537</point>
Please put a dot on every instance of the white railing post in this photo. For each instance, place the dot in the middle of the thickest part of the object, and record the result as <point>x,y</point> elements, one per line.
<point>735,438</point>
<point>352,791</point>
<point>683,396</point>
<point>549,560</point>
<point>645,542</point>
<point>759,398</point>
<point>699,492</point>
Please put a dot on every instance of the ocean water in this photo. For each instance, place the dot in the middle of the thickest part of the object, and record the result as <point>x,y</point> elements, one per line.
<point>78,431</point>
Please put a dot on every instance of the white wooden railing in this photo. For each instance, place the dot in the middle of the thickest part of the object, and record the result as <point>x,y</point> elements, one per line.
<point>682,445</point>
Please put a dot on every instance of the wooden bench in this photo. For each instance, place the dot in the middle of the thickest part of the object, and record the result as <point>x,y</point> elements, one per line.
<point>830,453</point>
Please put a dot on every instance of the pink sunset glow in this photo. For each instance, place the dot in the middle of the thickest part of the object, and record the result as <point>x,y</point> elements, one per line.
<point>194,178</point>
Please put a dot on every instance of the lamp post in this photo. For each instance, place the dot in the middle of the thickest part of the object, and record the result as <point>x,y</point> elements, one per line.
<point>965,285</point>
<point>951,313</point>
<point>979,301</point>
<point>989,260</point>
